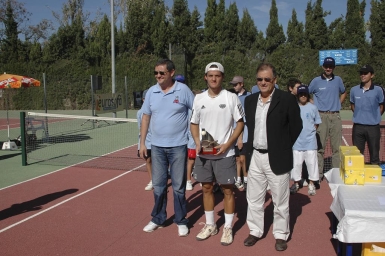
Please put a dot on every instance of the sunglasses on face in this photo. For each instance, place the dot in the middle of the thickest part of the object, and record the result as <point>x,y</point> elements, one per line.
<point>364,73</point>
<point>328,67</point>
<point>267,79</point>
<point>162,73</point>
<point>302,95</point>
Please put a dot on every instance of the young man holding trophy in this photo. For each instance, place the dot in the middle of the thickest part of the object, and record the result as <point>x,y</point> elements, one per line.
<point>212,127</point>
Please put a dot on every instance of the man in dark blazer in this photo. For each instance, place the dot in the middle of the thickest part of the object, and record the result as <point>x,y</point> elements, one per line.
<point>274,123</point>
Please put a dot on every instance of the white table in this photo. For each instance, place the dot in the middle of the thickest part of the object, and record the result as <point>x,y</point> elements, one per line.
<point>360,210</point>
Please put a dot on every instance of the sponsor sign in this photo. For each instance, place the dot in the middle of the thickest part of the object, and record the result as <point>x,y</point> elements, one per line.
<point>105,103</point>
<point>342,57</point>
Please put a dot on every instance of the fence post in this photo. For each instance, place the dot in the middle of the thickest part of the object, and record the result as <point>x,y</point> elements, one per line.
<point>23,140</point>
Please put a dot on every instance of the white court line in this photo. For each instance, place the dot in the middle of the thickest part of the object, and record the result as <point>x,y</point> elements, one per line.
<point>69,199</point>
<point>346,143</point>
<point>64,168</point>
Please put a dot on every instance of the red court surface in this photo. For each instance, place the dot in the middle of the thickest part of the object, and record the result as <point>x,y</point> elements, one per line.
<point>82,211</point>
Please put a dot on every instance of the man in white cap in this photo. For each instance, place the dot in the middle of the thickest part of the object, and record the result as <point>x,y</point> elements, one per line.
<point>214,114</point>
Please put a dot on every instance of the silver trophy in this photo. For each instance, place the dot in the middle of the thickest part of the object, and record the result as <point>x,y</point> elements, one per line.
<point>208,144</point>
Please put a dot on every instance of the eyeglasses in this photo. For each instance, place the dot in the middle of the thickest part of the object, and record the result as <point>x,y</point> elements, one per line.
<point>364,73</point>
<point>162,73</point>
<point>328,67</point>
<point>267,79</point>
<point>235,84</point>
<point>302,95</point>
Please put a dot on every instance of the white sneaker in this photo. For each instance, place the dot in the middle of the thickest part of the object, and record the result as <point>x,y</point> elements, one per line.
<point>189,185</point>
<point>305,183</point>
<point>149,186</point>
<point>207,231</point>
<point>227,236</point>
<point>239,184</point>
<point>151,226</point>
<point>311,190</point>
<point>182,230</point>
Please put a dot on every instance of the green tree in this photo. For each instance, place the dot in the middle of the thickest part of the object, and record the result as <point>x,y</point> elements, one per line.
<point>230,33</point>
<point>315,26</point>
<point>295,32</point>
<point>247,33</point>
<point>10,44</point>
<point>377,35</point>
<point>355,26</point>
<point>337,34</point>
<point>274,32</point>
<point>159,29</point>
<point>209,22</point>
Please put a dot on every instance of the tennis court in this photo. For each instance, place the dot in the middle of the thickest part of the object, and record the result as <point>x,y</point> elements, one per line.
<point>52,207</point>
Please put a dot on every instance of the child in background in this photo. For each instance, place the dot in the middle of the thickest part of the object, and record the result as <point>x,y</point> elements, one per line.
<point>305,148</point>
<point>292,86</point>
<point>148,145</point>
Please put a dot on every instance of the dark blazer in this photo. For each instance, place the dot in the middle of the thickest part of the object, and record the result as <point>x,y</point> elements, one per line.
<point>283,126</point>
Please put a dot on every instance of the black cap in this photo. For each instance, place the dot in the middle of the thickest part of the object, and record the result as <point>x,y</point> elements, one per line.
<point>367,68</point>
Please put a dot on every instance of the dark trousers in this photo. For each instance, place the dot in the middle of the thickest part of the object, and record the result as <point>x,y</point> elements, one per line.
<point>370,134</point>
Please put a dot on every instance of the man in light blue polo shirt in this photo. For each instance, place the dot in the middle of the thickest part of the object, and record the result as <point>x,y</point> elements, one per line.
<point>166,105</point>
<point>366,102</point>
<point>328,93</point>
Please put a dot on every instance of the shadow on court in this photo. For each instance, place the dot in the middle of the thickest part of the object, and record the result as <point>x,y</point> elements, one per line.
<point>34,204</point>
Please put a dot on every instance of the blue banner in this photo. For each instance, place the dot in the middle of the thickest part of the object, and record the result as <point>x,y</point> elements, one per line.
<point>342,57</point>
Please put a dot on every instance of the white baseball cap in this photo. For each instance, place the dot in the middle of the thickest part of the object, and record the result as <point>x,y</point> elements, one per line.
<point>214,66</point>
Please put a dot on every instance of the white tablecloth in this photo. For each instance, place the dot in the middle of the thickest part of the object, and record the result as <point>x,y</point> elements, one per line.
<point>360,210</point>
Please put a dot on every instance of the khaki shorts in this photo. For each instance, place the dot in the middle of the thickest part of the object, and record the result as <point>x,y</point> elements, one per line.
<point>221,170</point>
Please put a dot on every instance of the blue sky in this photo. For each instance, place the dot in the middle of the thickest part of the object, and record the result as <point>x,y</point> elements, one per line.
<point>258,9</point>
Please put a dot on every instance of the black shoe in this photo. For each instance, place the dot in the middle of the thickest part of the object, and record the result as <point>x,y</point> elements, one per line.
<point>244,186</point>
<point>317,184</point>
<point>294,188</point>
<point>250,240</point>
<point>280,245</point>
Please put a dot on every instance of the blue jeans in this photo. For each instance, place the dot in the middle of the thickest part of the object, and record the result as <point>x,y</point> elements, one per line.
<point>162,158</point>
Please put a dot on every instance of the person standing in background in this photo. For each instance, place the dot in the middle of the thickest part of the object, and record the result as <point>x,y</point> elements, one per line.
<point>240,148</point>
<point>328,94</point>
<point>366,102</point>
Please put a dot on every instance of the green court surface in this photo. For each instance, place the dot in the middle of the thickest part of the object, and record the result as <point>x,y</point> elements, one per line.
<point>80,144</point>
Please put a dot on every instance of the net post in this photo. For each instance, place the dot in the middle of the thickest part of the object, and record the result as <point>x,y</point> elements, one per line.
<point>23,140</point>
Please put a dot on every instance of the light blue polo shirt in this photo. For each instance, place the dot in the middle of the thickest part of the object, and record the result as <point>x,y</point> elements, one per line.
<point>307,138</point>
<point>191,142</point>
<point>255,88</point>
<point>147,142</point>
<point>327,92</point>
<point>366,104</point>
<point>169,114</point>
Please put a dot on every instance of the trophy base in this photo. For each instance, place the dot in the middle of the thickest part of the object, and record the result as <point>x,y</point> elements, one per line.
<point>209,151</point>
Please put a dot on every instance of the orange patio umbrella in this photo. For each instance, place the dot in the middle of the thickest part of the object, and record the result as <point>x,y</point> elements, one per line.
<point>16,81</point>
<point>9,81</point>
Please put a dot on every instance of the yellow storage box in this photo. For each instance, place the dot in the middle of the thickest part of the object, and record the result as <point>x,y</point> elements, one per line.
<point>353,160</point>
<point>373,173</point>
<point>373,249</point>
<point>354,176</point>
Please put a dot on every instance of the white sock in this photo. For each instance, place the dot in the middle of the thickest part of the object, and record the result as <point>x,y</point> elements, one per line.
<point>239,179</point>
<point>209,217</point>
<point>229,220</point>
<point>245,179</point>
